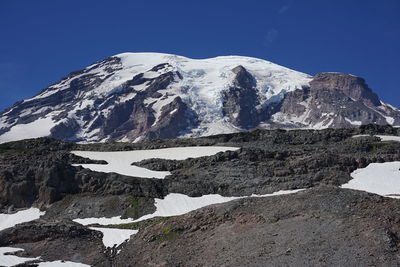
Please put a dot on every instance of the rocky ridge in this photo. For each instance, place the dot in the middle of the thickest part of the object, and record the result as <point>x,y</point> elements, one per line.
<point>322,219</point>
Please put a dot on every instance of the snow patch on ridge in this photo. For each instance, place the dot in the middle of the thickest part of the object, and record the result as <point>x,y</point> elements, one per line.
<point>35,129</point>
<point>384,138</point>
<point>10,220</point>
<point>61,264</point>
<point>11,260</point>
<point>120,161</point>
<point>378,178</point>
<point>176,204</point>
<point>114,237</point>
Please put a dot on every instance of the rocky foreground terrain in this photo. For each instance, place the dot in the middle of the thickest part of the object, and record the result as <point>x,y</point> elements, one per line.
<point>323,224</point>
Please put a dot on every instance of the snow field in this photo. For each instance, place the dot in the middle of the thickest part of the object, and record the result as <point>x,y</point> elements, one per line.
<point>384,138</point>
<point>11,260</point>
<point>176,204</point>
<point>38,128</point>
<point>120,161</point>
<point>10,220</point>
<point>114,237</point>
<point>378,178</point>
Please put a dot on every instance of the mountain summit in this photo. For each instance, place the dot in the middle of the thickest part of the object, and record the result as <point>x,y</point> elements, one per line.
<point>140,96</point>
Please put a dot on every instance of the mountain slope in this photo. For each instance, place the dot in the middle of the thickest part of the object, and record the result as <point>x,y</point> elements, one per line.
<point>139,96</point>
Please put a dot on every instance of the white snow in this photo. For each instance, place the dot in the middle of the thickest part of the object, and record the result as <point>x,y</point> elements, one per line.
<point>120,161</point>
<point>176,204</point>
<point>378,178</point>
<point>389,120</point>
<point>38,128</point>
<point>201,86</point>
<point>10,220</point>
<point>384,138</point>
<point>103,220</point>
<point>357,123</point>
<point>62,264</point>
<point>114,237</point>
<point>11,260</point>
<point>360,135</point>
<point>389,138</point>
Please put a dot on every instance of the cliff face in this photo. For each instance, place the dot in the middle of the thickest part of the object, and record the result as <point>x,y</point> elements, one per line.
<point>335,100</point>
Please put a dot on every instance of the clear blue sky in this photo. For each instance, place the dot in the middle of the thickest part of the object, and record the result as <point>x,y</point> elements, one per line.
<point>43,40</point>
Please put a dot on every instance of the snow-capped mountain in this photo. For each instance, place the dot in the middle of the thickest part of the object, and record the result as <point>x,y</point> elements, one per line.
<point>139,96</point>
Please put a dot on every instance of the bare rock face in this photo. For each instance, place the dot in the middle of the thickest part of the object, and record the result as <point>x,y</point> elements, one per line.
<point>240,100</point>
<point>335,100</point>
<point>57,240</point>
<point>352,86</point>
<point>175,117</point>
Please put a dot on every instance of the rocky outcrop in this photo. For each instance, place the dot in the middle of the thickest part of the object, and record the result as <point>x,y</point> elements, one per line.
<point>322,226</point>
<point>57,240</point>
<point>352,86</point>
<point>174,120</point>
<point>334,100</point>
<point>38,172</point>
<point>283,230</point>
<point>241,100</point>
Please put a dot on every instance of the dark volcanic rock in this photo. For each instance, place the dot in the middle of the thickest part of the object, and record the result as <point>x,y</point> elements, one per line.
<point>352,86</point>
<point>57,240</point>
<point>174,119</point>
<point>325,226</point>
<point>38,172</point>
<point>241,100</point>
<point>334,100</point>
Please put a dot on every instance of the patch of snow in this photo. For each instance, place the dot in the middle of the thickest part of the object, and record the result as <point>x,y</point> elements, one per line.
<point>114,237</point>
<point>120,161</point>
<point>357,123</point>
<point>126,97</point>
<point>35,129</point>
<point>10,220</point>
<point>360,135</point>
<point>389,138</point>
<point>176,204</point>
<point>389,120</point>
<point>103,220</point>
<point>61,264</point>
<point>11,260</point>
<point>158,104</point>
<point>384,138</point>
<point>387,105</point>
<point>378,178</point>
